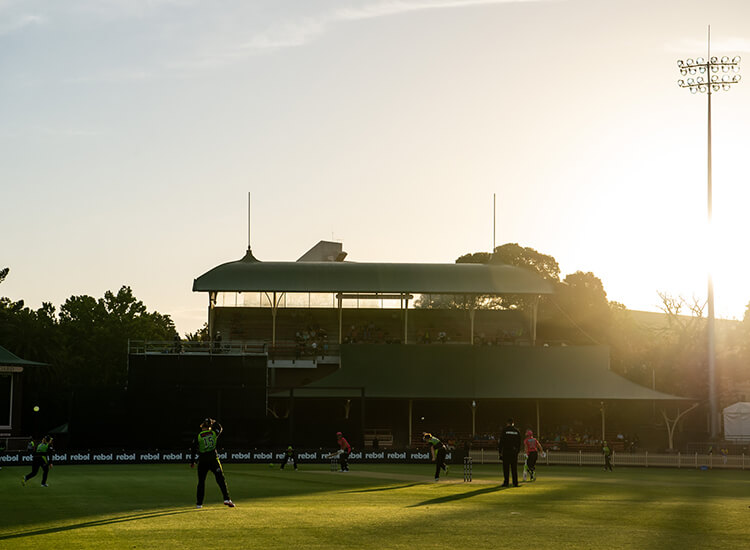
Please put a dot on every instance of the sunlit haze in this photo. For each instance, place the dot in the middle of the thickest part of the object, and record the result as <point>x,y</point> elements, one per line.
<point>131,132</point>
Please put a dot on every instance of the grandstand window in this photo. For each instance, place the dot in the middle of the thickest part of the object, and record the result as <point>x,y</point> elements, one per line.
<point>308,300</point>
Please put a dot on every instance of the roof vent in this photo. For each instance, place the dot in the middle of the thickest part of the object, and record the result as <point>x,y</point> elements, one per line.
<point>324,251</point>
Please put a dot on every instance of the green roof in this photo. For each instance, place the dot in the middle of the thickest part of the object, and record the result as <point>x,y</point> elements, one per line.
<point>440,371</point>
<point>250,275</point>
<point>8,359</point>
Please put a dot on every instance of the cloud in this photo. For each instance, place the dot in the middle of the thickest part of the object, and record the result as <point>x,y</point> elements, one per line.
<point>397,7</point>
<point>19,22</point>
<point>303,31</point>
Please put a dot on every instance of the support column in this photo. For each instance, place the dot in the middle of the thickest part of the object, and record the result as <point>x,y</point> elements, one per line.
<point>362,397</point>
<point>411,406</point>
<point>211,306</point>
<point>341,318</point>
<point>534,316</point>
<point>291,416</point>
<point>473,418</point>
<point>273,321</point>
<point>406,319</point>
<point>472,312</point>
<point>604,437</point>
<point>538,424</point>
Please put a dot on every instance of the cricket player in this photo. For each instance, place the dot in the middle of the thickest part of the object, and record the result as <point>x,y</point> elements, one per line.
<point>532,448</point>
<point>344,450</point>
<point>607,452</point>
<point>438,451</point>
<point>289,454</point>
<point>204,451</point>
<point>41,459</point>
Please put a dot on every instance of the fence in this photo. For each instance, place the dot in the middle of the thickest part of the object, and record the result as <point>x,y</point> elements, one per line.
<point>645,459</point>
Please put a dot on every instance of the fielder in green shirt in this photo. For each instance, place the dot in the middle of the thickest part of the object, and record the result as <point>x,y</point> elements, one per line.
<point>41,459</point>
<point>204,452</point>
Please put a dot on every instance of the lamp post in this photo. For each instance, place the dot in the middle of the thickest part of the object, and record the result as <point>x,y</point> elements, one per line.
<point>715,77</point>
<point>473,418</point>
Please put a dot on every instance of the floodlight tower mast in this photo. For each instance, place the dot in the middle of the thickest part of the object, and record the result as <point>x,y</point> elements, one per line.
<point>708,84</point>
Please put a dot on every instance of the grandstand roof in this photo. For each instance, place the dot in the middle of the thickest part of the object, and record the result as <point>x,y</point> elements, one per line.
<point>472,372</point>
<point>8,359</point>
<point>249,274</point>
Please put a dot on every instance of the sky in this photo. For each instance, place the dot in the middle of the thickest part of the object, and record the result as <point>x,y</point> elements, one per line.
<point>132,131</point>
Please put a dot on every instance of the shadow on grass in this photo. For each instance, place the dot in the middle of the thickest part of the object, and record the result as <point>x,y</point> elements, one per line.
<point>461,496</point>
<point>95,523</point>
<point>378,489</point>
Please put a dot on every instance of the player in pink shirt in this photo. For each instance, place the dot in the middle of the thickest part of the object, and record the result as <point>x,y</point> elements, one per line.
<point>532,448</point>
<point>344,450</point>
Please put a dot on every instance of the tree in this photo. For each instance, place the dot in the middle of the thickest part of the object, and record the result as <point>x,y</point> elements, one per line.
<point>508,254</point>
<point>200,335</point>
<point>671,423</point>
<point>543,265</point>
<point>582,301</point>
<point>96,333</point>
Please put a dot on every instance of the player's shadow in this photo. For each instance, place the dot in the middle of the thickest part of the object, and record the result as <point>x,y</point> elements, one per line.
<point>95,523</point>
<point>378,489</point>
<point>460,496</point>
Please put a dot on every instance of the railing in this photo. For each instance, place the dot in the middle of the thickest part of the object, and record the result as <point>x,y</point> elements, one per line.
<point>281,351</point>
<point>645,459</point>
<point>189,347</point>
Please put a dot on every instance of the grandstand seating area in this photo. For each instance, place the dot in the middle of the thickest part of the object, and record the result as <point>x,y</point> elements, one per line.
<point>425,326</point>
<point>383,435</point>
<point>489,442</point>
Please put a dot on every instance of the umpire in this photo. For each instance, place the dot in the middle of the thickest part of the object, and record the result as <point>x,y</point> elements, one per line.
<point>508,447</point>
<point>204,450</point>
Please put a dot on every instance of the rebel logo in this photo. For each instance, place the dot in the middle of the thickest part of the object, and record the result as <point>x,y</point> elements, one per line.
<point>242,456</point>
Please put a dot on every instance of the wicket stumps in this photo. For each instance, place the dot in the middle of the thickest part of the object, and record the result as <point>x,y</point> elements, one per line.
<point>334,463</point>
<point>468,464</point>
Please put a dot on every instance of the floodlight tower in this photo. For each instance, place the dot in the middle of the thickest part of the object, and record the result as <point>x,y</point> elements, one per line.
<point>716,77</point>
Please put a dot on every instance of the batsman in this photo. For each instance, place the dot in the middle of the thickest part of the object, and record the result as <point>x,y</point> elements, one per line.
<point>343,452</point>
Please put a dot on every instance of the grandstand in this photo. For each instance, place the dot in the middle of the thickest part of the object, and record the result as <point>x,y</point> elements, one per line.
<point>394,349</point>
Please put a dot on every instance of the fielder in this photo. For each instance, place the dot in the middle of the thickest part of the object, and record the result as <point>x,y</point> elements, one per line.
<point>41,460</point>
<point>204,450</point>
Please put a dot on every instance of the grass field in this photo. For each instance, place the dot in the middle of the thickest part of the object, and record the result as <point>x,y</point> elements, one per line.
<point>384,506</point>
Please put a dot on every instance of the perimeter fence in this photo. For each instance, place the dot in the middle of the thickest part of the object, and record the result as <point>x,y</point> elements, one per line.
<point>644,459</point>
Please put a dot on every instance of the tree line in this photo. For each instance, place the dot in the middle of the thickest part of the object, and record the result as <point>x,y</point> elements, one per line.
<point>668,353</point>
<point>85,341</point>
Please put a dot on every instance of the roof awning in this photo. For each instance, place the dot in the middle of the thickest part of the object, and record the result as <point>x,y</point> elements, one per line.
<point>250,275</point>
<point>8,359</point>
<point>473,372</point>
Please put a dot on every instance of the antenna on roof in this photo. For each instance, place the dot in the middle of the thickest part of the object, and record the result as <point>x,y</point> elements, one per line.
<point>494,211</point>
<point>248,222</point>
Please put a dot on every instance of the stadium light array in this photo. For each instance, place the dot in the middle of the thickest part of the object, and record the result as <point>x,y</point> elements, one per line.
<point>709,75</point>
<point>715,74</point>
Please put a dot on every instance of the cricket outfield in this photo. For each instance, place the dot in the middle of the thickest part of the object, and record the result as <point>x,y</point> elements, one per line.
<point>374,506</point>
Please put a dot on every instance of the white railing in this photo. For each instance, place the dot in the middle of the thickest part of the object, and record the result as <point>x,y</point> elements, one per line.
<point>644,459</point>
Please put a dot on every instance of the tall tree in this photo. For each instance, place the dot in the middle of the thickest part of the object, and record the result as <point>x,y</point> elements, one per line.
<point>96,333</point>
